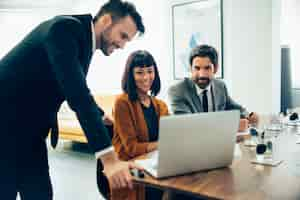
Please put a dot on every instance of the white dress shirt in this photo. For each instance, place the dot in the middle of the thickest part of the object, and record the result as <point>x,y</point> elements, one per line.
<point>93,38</point>
<point>209,96</point>
<point>108,149</point>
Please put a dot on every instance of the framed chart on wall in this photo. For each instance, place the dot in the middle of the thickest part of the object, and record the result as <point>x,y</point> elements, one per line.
<point>194,23</point>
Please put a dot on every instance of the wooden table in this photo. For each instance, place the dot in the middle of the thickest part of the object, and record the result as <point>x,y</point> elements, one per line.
<point>243,180</point>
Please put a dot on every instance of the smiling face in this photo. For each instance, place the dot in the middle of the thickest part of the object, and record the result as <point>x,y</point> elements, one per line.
<point>144,77</point>
<point>202,71</point>
<point>116,35</point>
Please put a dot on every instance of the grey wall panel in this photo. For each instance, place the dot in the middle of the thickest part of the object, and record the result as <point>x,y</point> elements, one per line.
<point>295,100</point>
<point>286,82</point>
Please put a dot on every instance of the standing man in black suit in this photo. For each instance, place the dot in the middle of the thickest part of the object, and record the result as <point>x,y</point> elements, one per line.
<point>47,67</point>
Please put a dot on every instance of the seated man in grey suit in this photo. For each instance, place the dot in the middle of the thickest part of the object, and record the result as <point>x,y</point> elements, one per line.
<point>202,92</point>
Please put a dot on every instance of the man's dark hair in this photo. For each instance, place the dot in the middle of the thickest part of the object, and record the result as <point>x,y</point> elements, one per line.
<point>205,51</point>
<point>140,58</point>
<point>119,9</point>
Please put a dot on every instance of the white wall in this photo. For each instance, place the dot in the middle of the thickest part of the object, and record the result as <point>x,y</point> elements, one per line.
<point>106,72</point>
<point>251,49</point>
<point>290,32</point>
<point>18,18</point>
<point>252,53</point>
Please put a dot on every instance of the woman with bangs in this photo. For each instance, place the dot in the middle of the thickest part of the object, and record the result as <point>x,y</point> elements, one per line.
<point>136,114</point>
<point>137,111</point>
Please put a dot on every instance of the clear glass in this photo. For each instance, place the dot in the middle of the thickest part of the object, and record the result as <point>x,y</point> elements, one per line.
<point>269,139</point>
<point>289,111</point>
<point>276,123</point>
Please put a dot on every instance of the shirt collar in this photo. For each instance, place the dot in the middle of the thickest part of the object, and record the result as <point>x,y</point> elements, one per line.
<point>200,90</point>
<point>93,38</point>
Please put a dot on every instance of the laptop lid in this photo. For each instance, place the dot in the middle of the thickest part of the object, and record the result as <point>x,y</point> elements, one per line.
<point>193,142</point>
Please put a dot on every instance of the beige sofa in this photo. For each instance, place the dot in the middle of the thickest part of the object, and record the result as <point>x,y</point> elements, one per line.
<point>69,127</point>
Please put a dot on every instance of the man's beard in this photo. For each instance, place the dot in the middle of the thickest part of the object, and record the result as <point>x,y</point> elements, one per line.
<point>104,44</point>
<point>202,85</point>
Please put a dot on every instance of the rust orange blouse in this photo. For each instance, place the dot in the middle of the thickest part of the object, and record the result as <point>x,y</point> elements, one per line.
<point>130,129</point>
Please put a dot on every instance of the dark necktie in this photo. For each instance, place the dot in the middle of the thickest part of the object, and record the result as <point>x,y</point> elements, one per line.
<point>205,101</point>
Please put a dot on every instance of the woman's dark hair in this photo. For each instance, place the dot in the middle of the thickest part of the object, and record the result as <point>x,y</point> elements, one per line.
<point>140,58</point>
<point>119,9</point>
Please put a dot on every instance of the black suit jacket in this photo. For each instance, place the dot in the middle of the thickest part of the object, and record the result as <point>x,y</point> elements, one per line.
<point>47,67</point>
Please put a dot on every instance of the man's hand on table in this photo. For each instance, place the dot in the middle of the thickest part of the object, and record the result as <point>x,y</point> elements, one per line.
<point>119,176</point>
<point>116,173</point>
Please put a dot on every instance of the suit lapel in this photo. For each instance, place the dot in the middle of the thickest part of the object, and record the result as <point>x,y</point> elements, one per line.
<point>217,93</point>
<point>213,90</point>
<point>89,43</point>
<point>86,21</point>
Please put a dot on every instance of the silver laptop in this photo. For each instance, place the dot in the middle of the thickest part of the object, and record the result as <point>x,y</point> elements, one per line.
<point>193,142</point>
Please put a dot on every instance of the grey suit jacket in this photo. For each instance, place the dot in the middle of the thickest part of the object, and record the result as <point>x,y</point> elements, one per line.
<point>183,98</point>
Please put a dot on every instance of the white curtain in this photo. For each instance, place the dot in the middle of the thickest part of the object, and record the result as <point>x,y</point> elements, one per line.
<point>290,35</point>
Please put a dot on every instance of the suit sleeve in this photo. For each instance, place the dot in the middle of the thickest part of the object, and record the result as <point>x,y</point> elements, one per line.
<point>102,180</point>
<point>177,102</point>
<point>62,47</point>
<point>232,105</point>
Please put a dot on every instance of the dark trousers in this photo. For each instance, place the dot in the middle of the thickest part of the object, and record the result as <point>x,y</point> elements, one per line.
<point>180,196</point>
<point>24,170</point>
<point>35,187</point>
<point>153,193</point>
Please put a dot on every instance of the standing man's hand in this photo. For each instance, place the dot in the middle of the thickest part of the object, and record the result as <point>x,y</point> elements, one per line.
<point>115,176</point>
<point>119,176</point>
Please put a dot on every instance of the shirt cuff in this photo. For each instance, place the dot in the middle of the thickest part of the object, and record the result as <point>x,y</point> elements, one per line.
<point>104,151</point>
